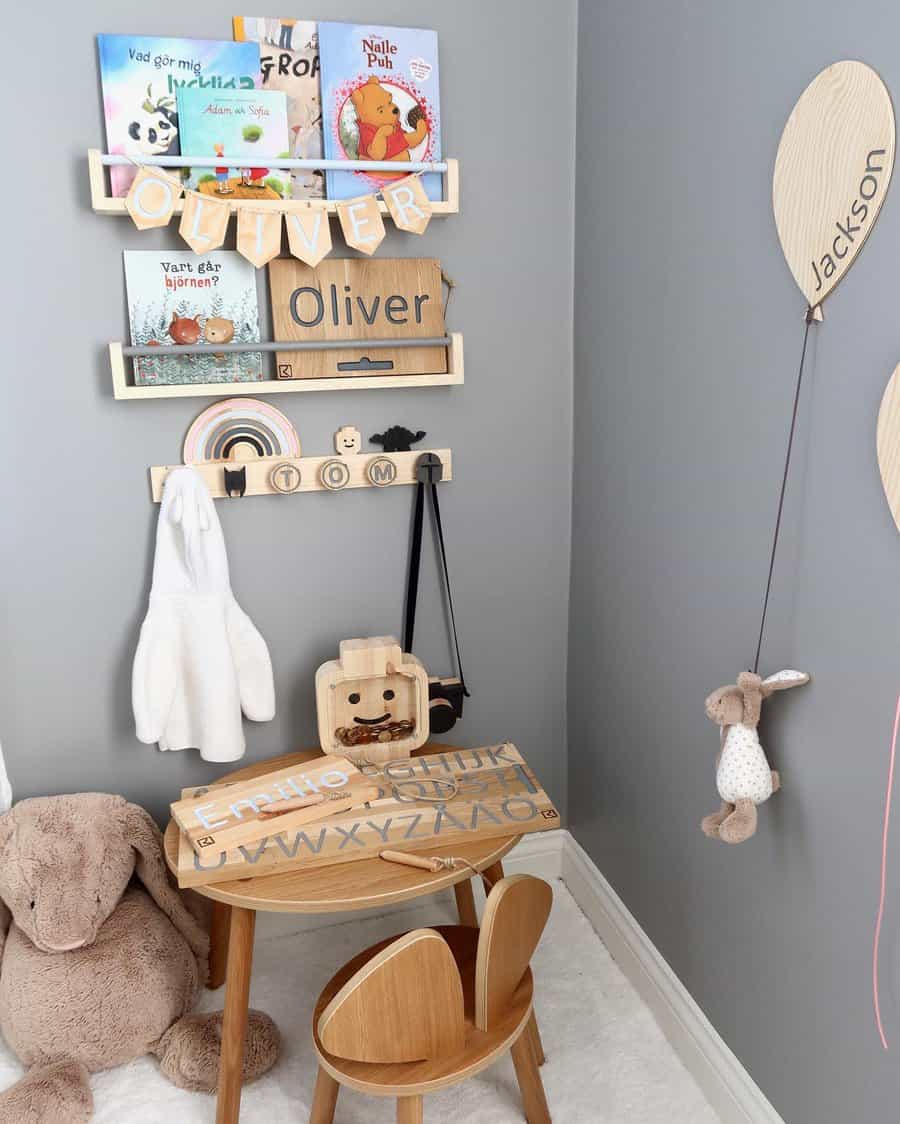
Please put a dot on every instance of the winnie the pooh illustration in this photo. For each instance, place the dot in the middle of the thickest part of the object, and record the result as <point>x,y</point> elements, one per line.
<point>381,135</point>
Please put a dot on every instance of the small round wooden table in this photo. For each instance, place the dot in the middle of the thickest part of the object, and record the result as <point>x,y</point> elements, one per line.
<point>365,884</point>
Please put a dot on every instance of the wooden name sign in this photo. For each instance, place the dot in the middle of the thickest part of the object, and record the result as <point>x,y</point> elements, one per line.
<point>832,172</point>
<point>353,299</point>
<point>239,813</point>
<point>498,795</point>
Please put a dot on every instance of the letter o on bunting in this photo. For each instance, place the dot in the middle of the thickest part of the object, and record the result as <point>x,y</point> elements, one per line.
<point>832,172</point>
<point>151,198</point>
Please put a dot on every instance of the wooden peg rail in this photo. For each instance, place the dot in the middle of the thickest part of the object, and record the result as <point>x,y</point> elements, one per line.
<point>270,476</point>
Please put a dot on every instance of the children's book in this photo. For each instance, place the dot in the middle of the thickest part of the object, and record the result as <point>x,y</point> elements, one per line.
<point>289,61</point>
<point>176,297</point>
<point>380,101</point>
<point>246,123</point>
<point>140,76</point>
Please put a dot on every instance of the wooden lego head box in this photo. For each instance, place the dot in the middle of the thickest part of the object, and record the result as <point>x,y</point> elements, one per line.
<point>372,701</point>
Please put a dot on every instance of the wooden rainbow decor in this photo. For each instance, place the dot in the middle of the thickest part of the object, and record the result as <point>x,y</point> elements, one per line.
<point>240,429</point>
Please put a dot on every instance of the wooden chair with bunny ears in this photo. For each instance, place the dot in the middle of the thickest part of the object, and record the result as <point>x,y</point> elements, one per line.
<point>417,1013</point>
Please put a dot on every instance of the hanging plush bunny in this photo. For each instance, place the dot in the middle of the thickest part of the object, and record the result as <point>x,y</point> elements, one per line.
<point>200,661</point>
<point>743,776</point>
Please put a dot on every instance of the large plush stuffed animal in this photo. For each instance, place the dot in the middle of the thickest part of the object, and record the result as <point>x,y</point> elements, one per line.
<point>743,776</point>
<point>102,961</point>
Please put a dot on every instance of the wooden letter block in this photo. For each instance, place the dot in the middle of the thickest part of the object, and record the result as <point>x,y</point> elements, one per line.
<point>408,203</point>
<point>259,235</point>
<point>204,222</point>
<point>309,235</point>
<point>151,199</point>
<point>361,223</point>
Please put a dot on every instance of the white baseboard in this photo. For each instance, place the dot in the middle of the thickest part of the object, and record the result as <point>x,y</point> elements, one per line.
<point>555,854</point>
<point>728,1087</point>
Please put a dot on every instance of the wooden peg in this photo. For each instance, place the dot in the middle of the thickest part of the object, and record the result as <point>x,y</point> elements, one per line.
<point>418,861</point>
<point>279,807</point>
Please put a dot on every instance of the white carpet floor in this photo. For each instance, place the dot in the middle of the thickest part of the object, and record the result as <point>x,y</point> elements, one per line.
<point>607,1060</point>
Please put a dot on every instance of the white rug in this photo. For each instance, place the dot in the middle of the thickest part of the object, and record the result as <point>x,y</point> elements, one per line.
<point>607,1060</point>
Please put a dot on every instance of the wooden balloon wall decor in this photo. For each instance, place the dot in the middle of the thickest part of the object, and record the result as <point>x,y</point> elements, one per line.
<point>887,441</point>
<point>832,172</point>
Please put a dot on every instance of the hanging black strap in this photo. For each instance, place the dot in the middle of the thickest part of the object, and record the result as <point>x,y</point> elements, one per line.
<point>428,474</point>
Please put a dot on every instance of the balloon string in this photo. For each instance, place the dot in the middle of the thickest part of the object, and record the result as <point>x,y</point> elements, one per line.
<point>784,480</point>
<point>884,854</point>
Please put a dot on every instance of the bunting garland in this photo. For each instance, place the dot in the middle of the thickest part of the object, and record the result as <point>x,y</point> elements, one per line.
<point>154,194</point>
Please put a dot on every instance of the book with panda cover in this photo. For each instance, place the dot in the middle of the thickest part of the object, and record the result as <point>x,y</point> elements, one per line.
<point>141,75</point>
<point>251,124</point>
<point>176,297</point>
<point>289,61</point>
<point>380,101</point>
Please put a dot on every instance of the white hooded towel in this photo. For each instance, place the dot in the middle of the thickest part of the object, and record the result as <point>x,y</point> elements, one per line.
<point>200,661</point>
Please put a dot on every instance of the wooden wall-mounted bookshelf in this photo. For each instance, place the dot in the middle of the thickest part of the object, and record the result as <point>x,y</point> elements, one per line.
<point>122,389</point>
<point>104,203</point>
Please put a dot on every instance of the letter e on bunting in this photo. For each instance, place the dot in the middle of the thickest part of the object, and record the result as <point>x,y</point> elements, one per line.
<point>361,223</point>
<point>152,197</point>
<point>309,235</point>
<point>204,222</point>
<point>259,235</point>
<point>410,207</point>
<point>832,172</point>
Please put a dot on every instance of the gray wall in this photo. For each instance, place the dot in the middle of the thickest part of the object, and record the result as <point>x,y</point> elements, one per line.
<point>688,334</point>
<point>77,522</point>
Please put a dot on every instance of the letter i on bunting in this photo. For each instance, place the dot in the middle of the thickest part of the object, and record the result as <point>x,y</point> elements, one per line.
<point>361,223</point>
<point>410,207</point>
<point>152,197</point>
<point>309,235</point>
<point>259,235</point>
<point>204,222</point>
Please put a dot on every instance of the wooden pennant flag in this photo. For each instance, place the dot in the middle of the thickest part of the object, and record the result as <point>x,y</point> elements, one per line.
<point>410,207</point>
<point>309,235</point>
<point>259,235</point>
<point>204,222</point>
<point>151,199</point>
<point>361,223</point>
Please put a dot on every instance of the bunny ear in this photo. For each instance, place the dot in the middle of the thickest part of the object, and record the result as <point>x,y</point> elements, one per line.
<point>5,787</point>
<point>781,680</point>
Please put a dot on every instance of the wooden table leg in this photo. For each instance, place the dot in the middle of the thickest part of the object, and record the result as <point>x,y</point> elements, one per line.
<point>530,1085</point>
<point>465,904</point>
<point>534,1037</point>
<point>218,944</point>
<point>237,1002</point>
<point>324,1098</point>
<point>410,1110</point>
<point>491,875</point>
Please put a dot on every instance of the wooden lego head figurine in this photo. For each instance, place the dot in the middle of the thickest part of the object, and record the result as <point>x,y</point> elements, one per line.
<point>372,701</point>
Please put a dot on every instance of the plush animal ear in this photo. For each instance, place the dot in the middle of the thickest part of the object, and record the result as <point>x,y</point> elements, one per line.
<point>751,690</point>
<point>150,867</point>
<point>781,680</point>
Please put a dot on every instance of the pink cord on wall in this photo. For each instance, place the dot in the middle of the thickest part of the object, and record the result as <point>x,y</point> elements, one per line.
<point>884,844</point>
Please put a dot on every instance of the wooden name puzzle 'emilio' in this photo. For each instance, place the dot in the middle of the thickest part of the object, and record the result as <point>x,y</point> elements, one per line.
<point>453,797</point>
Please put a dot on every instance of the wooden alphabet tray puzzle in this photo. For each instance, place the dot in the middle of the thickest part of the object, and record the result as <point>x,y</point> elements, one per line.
<point>413,808</point>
